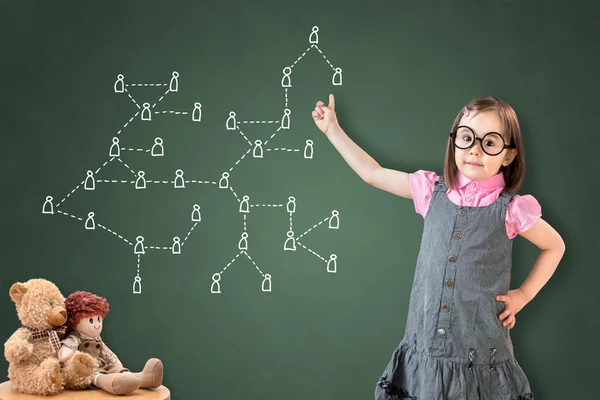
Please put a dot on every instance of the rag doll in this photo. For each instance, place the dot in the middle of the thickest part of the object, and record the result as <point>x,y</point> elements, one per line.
<point>86,313</point>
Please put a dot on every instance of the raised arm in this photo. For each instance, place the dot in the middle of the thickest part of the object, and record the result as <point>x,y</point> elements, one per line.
<point>363,164</point>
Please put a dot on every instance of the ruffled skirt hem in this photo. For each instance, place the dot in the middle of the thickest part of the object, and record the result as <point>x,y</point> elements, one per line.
<point>415,375</point>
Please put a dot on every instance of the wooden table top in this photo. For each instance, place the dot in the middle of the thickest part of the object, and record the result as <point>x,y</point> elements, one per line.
<point>160,393</point>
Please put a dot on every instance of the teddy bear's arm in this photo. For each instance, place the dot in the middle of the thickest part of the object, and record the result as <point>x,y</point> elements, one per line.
<point>18,348</point>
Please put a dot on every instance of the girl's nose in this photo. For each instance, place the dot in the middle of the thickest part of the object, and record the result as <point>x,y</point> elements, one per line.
<point>476,148</point>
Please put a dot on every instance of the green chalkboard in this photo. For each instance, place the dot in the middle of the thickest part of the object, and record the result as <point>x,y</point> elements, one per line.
<point>301,289</point>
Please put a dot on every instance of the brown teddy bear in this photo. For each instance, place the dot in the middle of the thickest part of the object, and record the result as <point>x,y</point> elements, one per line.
<point>31,351</point>
<point>86,313</point>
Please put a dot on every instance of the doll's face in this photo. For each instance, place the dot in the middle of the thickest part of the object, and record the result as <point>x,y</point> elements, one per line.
<point>91,326</point>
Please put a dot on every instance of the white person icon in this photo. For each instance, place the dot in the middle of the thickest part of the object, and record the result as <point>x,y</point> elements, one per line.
<point>291,205</point>
<point>308,149</point>
<point>115,150</point>
<point>176,248</point>
<point>216,286</point>
<point>285,121</point>
<point>89,222</point>
<point>290,242</point>
<point>224,181</point>
<point>258,150</point>
<point>48,207</point>
<point>139,245</point>
<point>140,182</point>
<point>334,220</point>
<point>332,264</point>
<point>174,84</point>
<point>244,204</point>
<point>243,243</point>
<point>266,283</point>
<point>179,182</point>
<point>90,182</point>
<point>286,81</point>
<point>197,112</point>
<point>146,112</point>
<point>137,285</point>
<point>230,124</point>
<point>158,149</point>
<point>314,35</point>
<point>196,216</point>
<point>119,84</point>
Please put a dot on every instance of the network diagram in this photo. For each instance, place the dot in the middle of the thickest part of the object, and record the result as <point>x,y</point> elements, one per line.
<point>146,111</point>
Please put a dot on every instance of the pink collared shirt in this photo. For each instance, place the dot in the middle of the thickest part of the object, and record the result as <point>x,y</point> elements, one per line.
<point>522,212</point>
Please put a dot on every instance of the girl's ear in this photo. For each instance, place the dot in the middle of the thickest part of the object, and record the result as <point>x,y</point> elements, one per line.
<point>510,156</point>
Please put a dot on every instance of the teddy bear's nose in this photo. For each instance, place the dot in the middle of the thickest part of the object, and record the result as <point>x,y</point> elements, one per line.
<point>63,313</point>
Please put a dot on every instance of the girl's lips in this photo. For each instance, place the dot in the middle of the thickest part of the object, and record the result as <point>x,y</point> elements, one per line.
<point>475,165</point>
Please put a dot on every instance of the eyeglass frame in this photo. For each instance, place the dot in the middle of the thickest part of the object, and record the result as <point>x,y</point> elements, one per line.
<point>453,136</point>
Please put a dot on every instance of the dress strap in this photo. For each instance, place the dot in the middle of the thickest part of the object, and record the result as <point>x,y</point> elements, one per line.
<point>439,185</point>
<point>505,198</point>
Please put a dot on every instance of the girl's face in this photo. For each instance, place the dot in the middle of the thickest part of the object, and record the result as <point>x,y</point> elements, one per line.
<point>474,163</point>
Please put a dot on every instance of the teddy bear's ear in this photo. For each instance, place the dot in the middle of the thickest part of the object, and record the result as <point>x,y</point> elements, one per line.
<point>17,291</point>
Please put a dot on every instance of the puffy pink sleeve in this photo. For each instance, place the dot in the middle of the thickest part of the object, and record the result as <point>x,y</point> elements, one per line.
<point>522,213</point>
<point>421,187</point>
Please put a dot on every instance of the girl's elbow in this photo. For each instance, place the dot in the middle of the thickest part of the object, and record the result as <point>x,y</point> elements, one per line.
<point>560,247</point>
<point>368,175</point>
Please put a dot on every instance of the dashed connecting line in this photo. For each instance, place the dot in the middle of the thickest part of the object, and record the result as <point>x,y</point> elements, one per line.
<point>171,112</point>
<point>259,122</point>
<point>145,112</point>
<point>146,84</point>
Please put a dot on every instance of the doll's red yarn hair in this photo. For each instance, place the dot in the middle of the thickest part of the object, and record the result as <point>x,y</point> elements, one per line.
<point>82,305</point>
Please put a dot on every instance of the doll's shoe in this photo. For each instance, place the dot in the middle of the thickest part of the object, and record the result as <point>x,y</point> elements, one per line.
<point>118,383</point>
<point>152,374</point>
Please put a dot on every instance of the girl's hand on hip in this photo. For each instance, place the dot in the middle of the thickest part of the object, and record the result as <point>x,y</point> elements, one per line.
<point>324,116</point>
<point>513,301</point>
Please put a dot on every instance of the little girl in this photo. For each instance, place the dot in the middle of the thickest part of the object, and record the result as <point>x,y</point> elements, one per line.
<point>456,344</point>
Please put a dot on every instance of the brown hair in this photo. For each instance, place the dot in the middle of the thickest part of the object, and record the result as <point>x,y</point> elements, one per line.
<point>514,173</point>
<point>81,305</point>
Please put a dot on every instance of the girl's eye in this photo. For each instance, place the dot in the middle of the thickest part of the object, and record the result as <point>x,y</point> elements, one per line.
<point>98,319</point>
<point>91,320</point>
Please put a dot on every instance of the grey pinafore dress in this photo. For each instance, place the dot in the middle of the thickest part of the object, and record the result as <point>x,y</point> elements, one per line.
<point>454,346</point>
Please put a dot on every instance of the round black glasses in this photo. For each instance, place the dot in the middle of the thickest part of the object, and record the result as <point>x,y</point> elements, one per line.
<point>492,143</point>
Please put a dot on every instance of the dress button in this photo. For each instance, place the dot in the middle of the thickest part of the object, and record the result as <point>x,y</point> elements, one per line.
<point>441,332</point>
<point>445,308</point>
<point>452,259</point>
<point>457,235</point>
<point>462,212</point>
<point>468,199</point>
<point>472,185</point>
<point>449,283</point>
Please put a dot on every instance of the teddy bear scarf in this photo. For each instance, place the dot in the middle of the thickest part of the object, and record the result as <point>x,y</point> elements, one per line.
<point>53,335</point>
